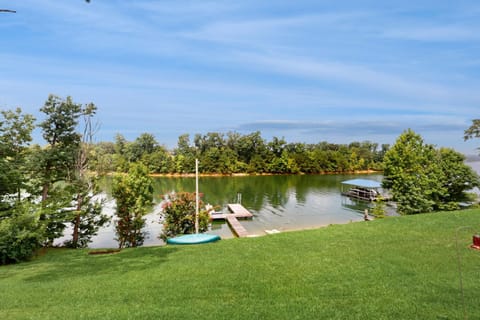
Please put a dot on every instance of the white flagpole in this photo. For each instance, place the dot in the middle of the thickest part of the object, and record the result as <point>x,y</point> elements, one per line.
<point>196,196</point>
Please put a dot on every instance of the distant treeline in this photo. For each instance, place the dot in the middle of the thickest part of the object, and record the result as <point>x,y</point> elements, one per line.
<point>220,153</point>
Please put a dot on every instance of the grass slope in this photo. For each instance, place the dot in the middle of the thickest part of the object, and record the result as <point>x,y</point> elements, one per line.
<point>397,268</point>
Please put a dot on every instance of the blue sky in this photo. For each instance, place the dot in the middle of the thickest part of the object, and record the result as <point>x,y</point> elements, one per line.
<point>308,71</point>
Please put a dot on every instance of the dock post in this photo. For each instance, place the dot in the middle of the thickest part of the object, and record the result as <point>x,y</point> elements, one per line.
<point>365,215</point>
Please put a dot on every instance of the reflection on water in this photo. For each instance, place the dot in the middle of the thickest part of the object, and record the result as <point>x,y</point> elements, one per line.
<point>277,202</point>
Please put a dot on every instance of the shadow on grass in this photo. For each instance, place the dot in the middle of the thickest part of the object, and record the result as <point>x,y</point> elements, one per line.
<point>60,264</point>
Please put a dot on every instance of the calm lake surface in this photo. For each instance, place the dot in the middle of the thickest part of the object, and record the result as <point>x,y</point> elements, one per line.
<point>277,202</point>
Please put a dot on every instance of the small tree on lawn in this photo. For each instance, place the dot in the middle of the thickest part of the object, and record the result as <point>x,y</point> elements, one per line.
<point>87,217</point>
<point>379,210</point>
<point>179,215</point>
<point>133,194</point>
<point>21,233</point>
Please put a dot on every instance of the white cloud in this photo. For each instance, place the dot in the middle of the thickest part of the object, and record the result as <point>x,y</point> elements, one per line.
<point>406,86</point>
<point>448,33</point>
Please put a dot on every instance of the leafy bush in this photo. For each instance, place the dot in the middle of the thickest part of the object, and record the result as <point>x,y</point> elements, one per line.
<point>179,215</point>
<point>133,195</point>
<point>21,234</point>
<point>379,210</point>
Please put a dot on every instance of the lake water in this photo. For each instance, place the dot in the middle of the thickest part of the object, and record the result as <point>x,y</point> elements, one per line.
<point>277,202</point>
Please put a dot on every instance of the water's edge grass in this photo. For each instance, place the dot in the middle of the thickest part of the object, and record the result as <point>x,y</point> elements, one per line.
<point>396,268</point>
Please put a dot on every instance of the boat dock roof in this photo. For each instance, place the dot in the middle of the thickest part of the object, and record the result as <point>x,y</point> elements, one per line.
<point>363,183</point>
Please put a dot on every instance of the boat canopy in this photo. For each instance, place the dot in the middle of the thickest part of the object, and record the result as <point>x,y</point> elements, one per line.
<point>363,183</point>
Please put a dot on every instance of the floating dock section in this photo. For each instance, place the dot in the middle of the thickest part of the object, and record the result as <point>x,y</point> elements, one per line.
<point>238,212</point>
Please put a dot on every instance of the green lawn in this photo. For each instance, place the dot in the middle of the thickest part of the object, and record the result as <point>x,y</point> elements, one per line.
<point>396,268</point>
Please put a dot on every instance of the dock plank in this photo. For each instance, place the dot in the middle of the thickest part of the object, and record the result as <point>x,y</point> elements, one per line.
<point>239,211</point>
<point>218,216</point>
<point>237,226</point>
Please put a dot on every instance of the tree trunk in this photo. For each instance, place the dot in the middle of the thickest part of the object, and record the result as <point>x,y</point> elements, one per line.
<point>44,193</point>
<point>76,223</point>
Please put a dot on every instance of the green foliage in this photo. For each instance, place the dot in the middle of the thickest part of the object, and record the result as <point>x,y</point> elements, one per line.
<point>87,217</point>
<point>133,195</point>
<point>21,233</point>
<point>15,135</point>
<point>56,162</point>
<point>413,176</point>
<point>458,177</point>
<point>473,131</point>
<point>379,210</point>
<point>179,215</point>
<point>236,153</point>
<point>56,211</point>
<point>423,179</point>
<point>185,155</point>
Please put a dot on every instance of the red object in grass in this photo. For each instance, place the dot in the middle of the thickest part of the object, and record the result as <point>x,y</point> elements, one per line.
<point>476,242</point>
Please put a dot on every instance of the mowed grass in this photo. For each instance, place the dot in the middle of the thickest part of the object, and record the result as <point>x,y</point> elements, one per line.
<point>396,268</point>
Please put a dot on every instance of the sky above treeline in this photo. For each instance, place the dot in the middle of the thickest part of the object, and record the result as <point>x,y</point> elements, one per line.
<point>305,70</point>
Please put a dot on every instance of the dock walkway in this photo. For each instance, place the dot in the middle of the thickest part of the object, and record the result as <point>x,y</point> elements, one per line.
<point>238,212</point>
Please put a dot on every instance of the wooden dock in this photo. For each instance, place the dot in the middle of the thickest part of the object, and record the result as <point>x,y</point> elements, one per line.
<point>238,212</point>
<point>236,226</point>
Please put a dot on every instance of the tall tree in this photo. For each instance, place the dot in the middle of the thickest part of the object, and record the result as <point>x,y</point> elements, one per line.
<point>423,179</point>
<point>185,155</point>
<point>15,135</point>
<point>87,217</point>
<point>21,232</point>
<point>412,174</point>
<point>145,144</point>
<point>59,131</point>
<point>56,163</point>
<point>133,194</point>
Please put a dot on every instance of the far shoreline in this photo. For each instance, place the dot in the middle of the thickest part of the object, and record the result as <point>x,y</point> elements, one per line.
<point>245,174</point>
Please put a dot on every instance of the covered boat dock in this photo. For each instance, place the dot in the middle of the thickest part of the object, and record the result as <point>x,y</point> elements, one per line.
<point>363,189</point>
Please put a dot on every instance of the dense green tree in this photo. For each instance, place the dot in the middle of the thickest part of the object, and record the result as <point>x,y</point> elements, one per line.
<point>423,179</point>
<point>54,165</point>
<point>133,195</point>
<point>15,135</point>
<point>102,158</point>
<point>120,159</point>
<point>59,131</point>
<point>250,146</point>
<point>203,143</point>
<point>21,232</point>
<point>458,177</point>
<point>185,155</point>
<point>159,161</point>
<point>143,145</point>
<point>234,153</point>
